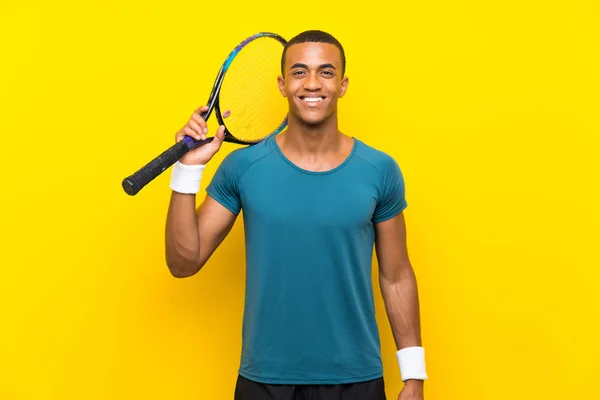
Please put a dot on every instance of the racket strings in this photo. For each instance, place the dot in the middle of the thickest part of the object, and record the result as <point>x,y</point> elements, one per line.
<point>250,92</point>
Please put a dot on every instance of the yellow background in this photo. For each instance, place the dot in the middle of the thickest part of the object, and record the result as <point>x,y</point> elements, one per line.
<point>491,109</point>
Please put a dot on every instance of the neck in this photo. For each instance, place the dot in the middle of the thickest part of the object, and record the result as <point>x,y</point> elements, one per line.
<point>304,138</point>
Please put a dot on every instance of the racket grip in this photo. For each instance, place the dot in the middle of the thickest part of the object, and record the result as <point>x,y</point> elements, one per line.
<point>135,182</point>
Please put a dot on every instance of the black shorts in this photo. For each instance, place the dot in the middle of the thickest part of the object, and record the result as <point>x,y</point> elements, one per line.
<point>246,389</point>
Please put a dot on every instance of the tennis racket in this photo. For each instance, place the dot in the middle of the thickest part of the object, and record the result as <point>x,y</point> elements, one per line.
<point>246,87</point>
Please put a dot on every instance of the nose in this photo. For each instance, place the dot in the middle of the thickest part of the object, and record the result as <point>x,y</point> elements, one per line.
<point>312,82</point>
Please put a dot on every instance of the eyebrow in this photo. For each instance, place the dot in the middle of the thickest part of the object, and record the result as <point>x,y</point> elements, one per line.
<point>300,65</point>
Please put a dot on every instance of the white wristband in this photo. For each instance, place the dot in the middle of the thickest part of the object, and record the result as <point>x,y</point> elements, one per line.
<point>186,178</point>
<point>412,363</point>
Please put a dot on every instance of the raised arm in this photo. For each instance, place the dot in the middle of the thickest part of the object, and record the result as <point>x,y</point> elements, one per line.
<point>192,235</point>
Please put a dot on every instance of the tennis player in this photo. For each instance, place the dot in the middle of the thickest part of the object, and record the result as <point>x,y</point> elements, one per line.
<point>316,203</point>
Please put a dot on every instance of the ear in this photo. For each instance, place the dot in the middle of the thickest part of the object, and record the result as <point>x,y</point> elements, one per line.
<point>344,86</point>
<point>281,84</point>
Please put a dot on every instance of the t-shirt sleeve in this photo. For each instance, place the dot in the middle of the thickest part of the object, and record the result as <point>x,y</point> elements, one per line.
<point>392,199</point>
<point>224,184</point>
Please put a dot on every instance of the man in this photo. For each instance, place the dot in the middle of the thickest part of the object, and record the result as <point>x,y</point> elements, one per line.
<point>315,202</point>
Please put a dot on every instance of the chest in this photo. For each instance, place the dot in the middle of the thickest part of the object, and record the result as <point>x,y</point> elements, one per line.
<point>319,200</point>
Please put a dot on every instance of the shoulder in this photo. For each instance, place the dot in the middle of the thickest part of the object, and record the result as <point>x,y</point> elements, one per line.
<point>381,161</point>
<point>237,162</point>
<point>391,198</point>
<point>225,184</point>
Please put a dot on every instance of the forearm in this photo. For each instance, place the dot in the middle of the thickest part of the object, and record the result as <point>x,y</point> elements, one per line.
<point>400,296</point>
<point>182,242</point>
<point>399,290</point>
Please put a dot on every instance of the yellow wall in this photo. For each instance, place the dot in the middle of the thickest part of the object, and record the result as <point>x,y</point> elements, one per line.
<point>491,109</point>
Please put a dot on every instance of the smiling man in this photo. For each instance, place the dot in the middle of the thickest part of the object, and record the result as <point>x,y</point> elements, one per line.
<point>316,203</point>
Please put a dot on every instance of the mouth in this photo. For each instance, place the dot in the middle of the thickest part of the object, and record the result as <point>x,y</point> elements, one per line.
<point>312,100</point>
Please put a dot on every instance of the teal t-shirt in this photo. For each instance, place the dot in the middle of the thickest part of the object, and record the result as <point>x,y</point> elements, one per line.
<point>309,315</point>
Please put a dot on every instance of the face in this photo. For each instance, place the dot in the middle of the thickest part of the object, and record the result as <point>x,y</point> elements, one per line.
<point>313,81</point>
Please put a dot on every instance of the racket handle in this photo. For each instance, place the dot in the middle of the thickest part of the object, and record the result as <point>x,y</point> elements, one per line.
<point>134,183</point>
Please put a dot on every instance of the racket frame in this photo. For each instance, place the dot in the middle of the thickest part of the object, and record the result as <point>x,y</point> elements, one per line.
<point>135,182</point>
<point>213,100</point>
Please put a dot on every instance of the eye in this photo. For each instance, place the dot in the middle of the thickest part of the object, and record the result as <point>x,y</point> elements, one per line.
<point>328,72</point>
<point>297,72</point>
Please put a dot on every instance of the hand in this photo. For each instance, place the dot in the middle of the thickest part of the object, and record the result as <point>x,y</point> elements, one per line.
<point>197,129</point>
<point>412,390</point>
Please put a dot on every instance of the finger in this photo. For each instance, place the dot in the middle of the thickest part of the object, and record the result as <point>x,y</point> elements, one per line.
<point>201,122</point>
<point>226,114</point>
<point>219,136</point>
<point>197,128</point>
<point>201,109</point>
<point>190,132</point>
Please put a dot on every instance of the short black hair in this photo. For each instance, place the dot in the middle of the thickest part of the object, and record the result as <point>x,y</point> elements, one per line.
<point>314,36</point>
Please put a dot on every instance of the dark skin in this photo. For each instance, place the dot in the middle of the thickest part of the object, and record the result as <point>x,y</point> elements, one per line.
<point>312,139</point>
<point>313,83</point>
<point>314,142</point>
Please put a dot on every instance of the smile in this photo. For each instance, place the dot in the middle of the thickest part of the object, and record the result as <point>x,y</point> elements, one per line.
<point>312,100</point>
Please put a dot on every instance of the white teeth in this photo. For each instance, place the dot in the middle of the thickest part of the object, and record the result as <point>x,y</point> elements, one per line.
<point>312,99</point>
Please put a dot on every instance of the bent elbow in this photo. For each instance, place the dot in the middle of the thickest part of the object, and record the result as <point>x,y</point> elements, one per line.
<point>183,269</point>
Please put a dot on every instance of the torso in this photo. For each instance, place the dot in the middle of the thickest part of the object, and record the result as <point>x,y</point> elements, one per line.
<point>309,312</point>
